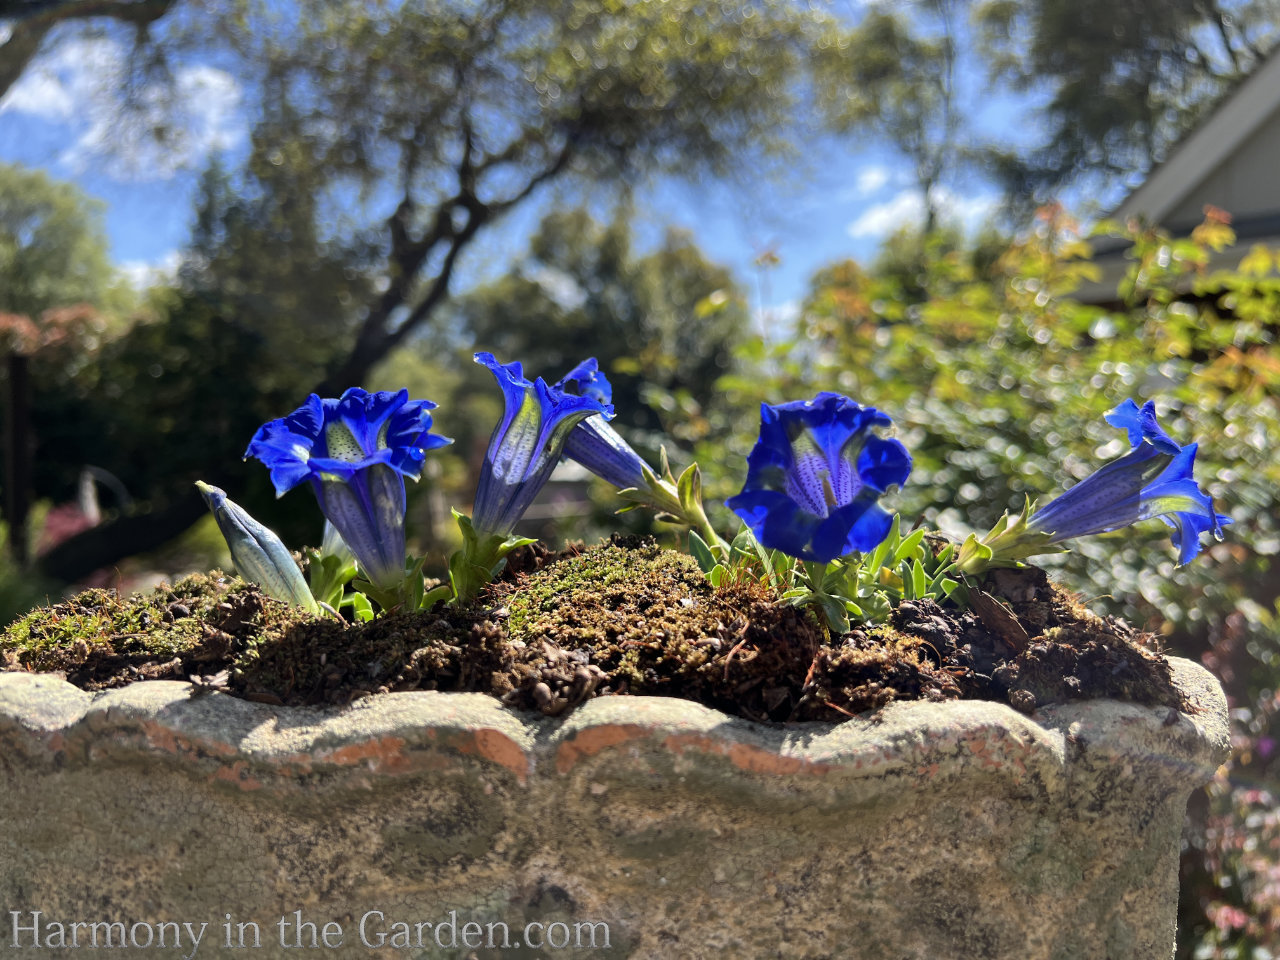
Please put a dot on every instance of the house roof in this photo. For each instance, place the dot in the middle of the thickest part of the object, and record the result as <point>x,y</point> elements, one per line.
<point>1230,124</point>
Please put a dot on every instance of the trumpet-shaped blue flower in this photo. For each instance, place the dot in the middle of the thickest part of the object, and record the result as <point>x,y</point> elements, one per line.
<point>815,475</point>
<point>593,442</point>
<point>526,444</point>
<point>356,452</point>
<point>1153,480</point>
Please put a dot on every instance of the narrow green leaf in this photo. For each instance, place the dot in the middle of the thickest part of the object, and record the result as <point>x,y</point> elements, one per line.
<point>689,487</point>
<point>414,586</point>
<point>783,565</point>
<point>469,537</point>
<point>701,552</point>
<point>360,606</point>
<point>765,566</point>
<point>908,546</point>
<point>514,543</point>
<point>742,549</point>
<point>881,552</point>
<point>435,595</point>
<point>835,614</point>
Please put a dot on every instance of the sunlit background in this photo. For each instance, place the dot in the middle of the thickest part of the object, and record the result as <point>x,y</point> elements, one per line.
<point>993,220</point>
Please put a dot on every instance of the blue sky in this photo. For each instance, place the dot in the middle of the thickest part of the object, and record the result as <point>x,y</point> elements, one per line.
<point>840,199</point>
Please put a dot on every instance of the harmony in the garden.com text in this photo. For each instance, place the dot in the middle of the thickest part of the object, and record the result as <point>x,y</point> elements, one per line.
<point>373,929</point>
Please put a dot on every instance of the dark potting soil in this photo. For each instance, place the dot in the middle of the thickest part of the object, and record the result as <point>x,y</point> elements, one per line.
<point>625,617</point>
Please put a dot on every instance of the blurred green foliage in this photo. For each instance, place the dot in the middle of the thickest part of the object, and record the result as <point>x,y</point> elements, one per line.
<point>997,372</point>
<point>663,324</point>
<point>53,250</point>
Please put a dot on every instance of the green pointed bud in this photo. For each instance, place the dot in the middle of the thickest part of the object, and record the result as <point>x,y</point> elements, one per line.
<point>258,554</point>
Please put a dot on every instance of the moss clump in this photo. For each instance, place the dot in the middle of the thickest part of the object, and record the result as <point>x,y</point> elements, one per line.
<point>100,640</point>
<point>873,669</point>
<point>631,617</point>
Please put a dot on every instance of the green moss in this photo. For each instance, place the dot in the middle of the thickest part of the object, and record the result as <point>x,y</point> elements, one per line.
<point>200,618</point>
<point>632,617</point>
<point>613,573</point>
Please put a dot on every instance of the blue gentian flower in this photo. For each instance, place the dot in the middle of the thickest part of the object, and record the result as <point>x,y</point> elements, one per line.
<point>593,442</point>
<point>588,380</point>
<point>356,452</point>
<point>815,475</point>
<point>1153,480</point>
<point>526,445</point>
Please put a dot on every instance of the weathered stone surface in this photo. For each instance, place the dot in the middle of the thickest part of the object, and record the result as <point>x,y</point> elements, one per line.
<point>930,830</point>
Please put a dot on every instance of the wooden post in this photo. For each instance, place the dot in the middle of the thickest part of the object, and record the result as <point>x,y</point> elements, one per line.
<point>17,461</point>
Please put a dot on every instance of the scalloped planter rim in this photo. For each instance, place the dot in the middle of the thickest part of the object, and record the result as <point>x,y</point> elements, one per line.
<point>958,829</point>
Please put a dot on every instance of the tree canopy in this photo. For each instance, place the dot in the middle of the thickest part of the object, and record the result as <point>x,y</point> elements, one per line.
<point>53,252</point>
<point>1125,79</point>
<point>895,75</point>
<point>659,323</point>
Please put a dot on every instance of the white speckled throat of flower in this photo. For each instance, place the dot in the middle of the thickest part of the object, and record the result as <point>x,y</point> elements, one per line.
<point>511,461</point>
<point>342,443</point>
<point>819,483</point>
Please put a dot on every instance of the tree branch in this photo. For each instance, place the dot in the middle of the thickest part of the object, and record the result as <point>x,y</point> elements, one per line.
<point>375,340</point>
<point>18,51</point>
<point>35,19</point>
<point>1216,16</point>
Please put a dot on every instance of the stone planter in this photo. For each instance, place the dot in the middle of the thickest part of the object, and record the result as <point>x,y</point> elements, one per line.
<point>931,830</point>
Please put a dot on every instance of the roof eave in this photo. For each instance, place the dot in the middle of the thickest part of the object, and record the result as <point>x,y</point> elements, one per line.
<point>1228,126</point>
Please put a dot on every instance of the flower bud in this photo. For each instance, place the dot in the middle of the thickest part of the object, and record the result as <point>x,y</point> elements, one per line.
<point>258,554</point>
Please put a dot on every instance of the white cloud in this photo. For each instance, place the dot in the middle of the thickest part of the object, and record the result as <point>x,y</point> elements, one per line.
<point>143,275</point>
<point>971,211</point>
<point>883,218</point>
<point>784,312</point>
<point>871,179</point>
<point>906,208</point>
<point>563,289</point>
<point>77,84</point>
<point>55,83</point>
<point>41,94</point>
<point>778,319</point>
